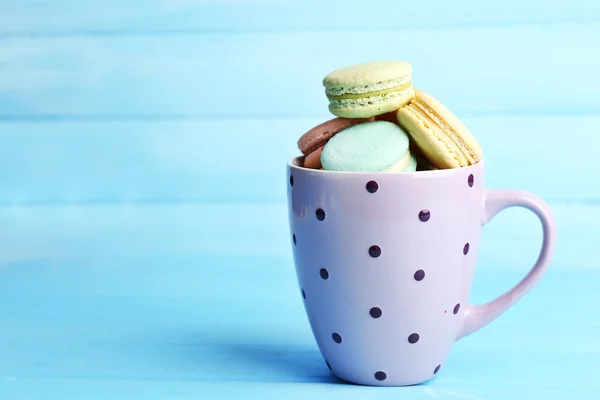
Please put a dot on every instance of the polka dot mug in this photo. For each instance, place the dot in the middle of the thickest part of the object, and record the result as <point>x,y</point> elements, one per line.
<point>385,263</point>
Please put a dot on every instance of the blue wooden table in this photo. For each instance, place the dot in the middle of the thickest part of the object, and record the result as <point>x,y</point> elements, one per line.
<point>144,245</point>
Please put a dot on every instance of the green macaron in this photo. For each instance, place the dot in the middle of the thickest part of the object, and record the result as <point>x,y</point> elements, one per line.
<point>369,89</point>
<point>376,146</point>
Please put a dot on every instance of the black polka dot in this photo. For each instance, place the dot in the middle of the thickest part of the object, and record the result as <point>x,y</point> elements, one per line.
<point>437,369</point>
<point>419,275</point>
<point>470,180</point>
<point>294,238</point>
<point>466,249</point>
<point>320,214</point>
<point>336,337</point>
<point>324,273</point>
<point>424,215</point>
<point>328,366</point>
<point>303,294</point>
<point>456,308</point>
<point>291,180</point>
<point>380,376</point>
<point>375,312</point>
<point>413,338</point>
<point>372,186</point>
<point>374,251</point>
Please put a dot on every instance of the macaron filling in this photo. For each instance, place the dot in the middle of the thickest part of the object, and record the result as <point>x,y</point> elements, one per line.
<point>381,92</point>
<point>365,101</point>
<point>441,129</point>
<point>371,87</point>
<point>402,164</point>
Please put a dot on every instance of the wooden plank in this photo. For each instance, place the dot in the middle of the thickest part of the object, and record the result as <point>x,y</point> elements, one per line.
<point>191,300</point>
<point>485,71</point>
<point>225,233</point>
<point>114,17</point>
<point>319,387</point>
<point>241,160</point>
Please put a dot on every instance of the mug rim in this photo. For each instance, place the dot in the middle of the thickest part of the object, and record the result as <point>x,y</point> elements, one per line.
<point>293,164</point>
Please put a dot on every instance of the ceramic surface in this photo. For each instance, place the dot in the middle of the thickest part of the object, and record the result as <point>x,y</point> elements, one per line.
<point>385,263</point>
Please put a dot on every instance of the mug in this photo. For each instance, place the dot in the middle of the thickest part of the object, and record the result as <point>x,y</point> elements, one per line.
<point>385,263</point>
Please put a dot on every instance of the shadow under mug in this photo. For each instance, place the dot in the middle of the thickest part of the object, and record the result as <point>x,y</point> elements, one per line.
<point>385,263</point>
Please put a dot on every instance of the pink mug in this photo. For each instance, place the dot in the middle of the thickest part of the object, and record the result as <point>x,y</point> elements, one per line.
<point>385,263</point>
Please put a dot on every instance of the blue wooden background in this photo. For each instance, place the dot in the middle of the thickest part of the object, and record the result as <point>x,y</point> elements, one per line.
<point>144,250</point>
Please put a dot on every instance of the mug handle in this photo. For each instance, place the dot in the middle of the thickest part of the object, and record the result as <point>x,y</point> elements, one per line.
<point>477,316</point>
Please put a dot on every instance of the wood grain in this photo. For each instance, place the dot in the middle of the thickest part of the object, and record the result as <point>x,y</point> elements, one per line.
<point>144,245</point>
<point>110,301</point>
<point>115,17</point>
<point>241,160</point>
<point>541,70</point>
<point>510,242</point>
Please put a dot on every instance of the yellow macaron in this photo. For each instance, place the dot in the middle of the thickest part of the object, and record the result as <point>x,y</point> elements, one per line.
<point>438,133</point>
<point>369,89</point>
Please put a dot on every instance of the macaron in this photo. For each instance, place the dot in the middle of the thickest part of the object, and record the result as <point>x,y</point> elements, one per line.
<point>412,164</point>
<point>369,89</point>
<point>423,163</point>
<point>390,117</point>
<point>377,146</point>
<point>312,142</point>
<point>440,135</point>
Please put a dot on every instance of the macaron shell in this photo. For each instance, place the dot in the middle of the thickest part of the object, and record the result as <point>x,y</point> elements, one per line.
<point>313,160</point>
<point>371,146</point>
<point>423,164</point>
<point>320,134</point>
<point>402,164</point>
<point>389,116</point>
<point>412,165</point>
<point>377,108</point>
<point>369,89</point>
<point>442,150</point>
<point>365,73</point>
<point>453,121</point>
<point>436,151</point>
<point>408,163</point>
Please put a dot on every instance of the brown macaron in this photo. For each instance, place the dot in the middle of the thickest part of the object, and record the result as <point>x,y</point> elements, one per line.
<point>312,142</point>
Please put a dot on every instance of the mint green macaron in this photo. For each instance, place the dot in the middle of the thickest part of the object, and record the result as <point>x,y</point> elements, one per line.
<point>376,146</point>
<point>369,89</point>
<point>412,165</point>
